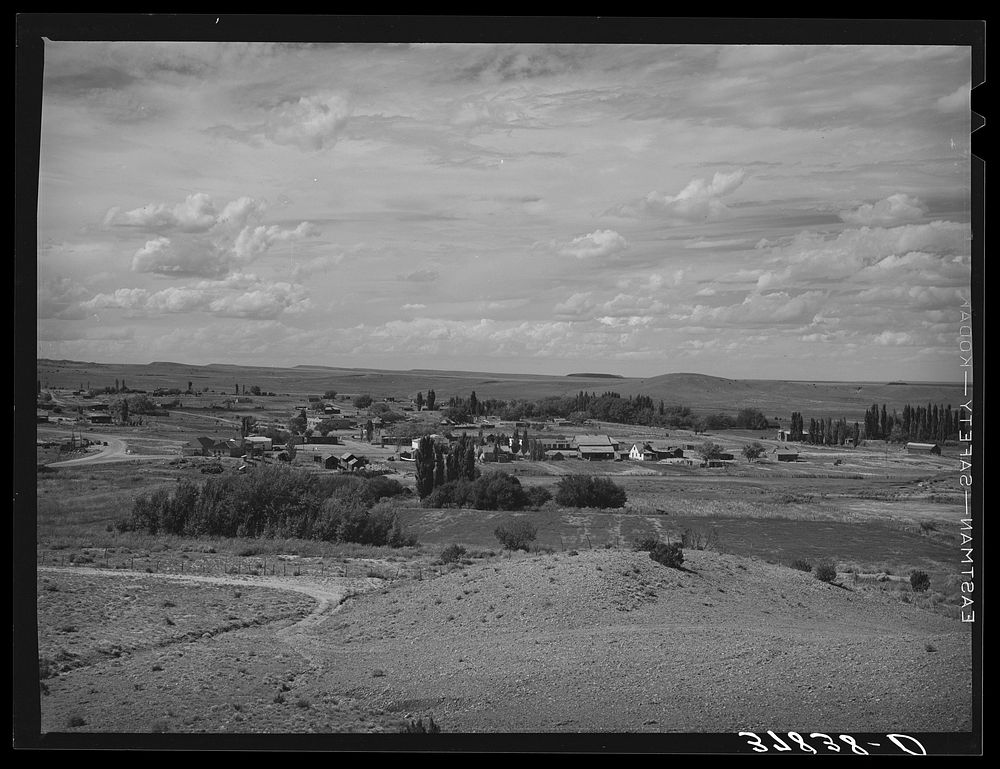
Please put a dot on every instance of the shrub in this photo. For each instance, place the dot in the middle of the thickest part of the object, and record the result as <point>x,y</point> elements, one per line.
<point>646,544</point>
<point>802,565</point>
<point>825,572</point>
<point>417,727</point>
<point>452,553</point>
<point>669,555</point>
<point>919,581</point>
<point>699,539</point>
<point>538,496</point>
<point>516,534</point>
<point>589,491</point>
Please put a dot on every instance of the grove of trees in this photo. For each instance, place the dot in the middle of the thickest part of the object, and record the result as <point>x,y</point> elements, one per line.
<point>274,502</point>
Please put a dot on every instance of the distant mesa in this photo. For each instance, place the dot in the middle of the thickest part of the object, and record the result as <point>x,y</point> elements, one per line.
<point>599,376</point>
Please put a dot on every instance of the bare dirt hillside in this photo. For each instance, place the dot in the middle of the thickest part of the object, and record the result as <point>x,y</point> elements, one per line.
<point>606,640</point>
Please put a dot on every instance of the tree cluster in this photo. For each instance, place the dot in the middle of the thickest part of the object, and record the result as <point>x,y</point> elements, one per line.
<point>493,491</point>
<point>274,502</point>
<point>932,422</point>
<point>437,465</point>
<point>589,491</point>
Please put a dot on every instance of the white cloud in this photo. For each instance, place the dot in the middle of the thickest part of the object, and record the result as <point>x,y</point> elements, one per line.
<point>240,296</point>
<point>893,338</point>
<point>895,209</point>
<point>700,200</point>
<point>599,243</point>
<point>959,100</point>
<point>772,309</point>
<point>195,239</point>
<point>180,259</point>
<point>311,123</point>
<point>195,214</point>
<point>577,304</point>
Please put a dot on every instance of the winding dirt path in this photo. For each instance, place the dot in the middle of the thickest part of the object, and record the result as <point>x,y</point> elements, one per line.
<point>298,635</point>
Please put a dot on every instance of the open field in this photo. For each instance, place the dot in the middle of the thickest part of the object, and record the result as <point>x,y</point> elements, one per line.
<point>144,633</point>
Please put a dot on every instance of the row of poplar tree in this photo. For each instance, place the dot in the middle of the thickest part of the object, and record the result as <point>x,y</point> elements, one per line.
<point>932,422</point>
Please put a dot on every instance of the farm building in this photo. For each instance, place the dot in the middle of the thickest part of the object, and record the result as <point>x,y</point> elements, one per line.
<point>352,462</point>
<point>328,409</point>
<point>554,456</point>
<point>211,446</point>
<point>785,434</point>
<point>556,443</point>
<point>786,455</point>
<point>726,457</point>
<point>331,463</point>
<point>923,448</point>
<point>98,417</point>
<point>260,442</point>
<point>502,456</point>
<point>648,453</point>
<point>596,447</point>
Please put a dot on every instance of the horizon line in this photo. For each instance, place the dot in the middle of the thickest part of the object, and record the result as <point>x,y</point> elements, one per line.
<point>595,375</point>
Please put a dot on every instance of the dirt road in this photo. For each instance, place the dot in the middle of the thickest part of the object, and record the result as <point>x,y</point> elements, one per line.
<point>116,451</point>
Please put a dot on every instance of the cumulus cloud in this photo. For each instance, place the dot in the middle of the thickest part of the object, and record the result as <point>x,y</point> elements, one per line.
<point>180,259</point>
<point>776,308</point>
<point>599,243</point>
<point>959,100</point>
<point>252,242</point>
<point>240,296</point>
<point>577,305</point>
<point>700,200</point>
<point>892,338</point>
<point>195,214</point>
<point>194,238</point>
<point>311,123</point>
<point>895,209</point>
<point>421,276</point>
<point>60,298</point>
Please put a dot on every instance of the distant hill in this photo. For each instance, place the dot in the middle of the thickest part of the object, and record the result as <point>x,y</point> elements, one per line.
<point>777,399</point>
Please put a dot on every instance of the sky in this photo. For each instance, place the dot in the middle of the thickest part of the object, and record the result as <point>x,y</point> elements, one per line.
<point>769,212</point>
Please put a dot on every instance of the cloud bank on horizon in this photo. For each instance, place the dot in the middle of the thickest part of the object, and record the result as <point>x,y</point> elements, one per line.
<point>743,211</point>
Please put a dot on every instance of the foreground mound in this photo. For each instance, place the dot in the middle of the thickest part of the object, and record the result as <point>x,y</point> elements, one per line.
<point>612,641</point>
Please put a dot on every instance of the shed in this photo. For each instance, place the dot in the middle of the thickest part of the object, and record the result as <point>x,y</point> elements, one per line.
<point>784,455</point>
<point>923,448</point>
<point>331,463</point>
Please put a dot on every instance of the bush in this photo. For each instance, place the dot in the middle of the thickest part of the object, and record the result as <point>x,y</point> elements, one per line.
<point>825,572</point>
<point>537,496</point>
<point>669,555</point>
<point>802,565</point>
<point>517,534</point>
<point>919,581</point>
<point>417,727</point>
<point>699,539</point>
<point>647,544</point>
<point>495,491</point>
<point>452,553</point>
<point>589,491</point>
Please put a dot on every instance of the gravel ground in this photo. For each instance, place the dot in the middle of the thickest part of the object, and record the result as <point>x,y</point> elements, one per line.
<point>602,641</point>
